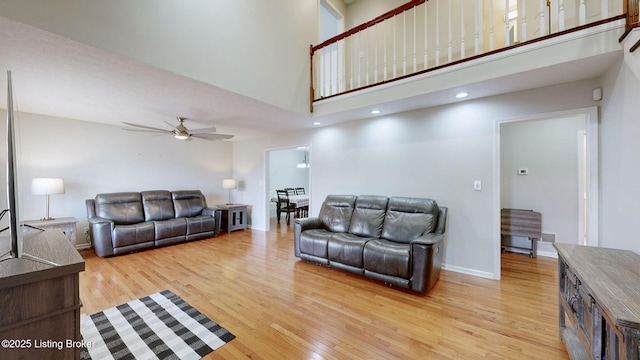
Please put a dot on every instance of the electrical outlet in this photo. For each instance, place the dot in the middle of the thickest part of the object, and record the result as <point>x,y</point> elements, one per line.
<point>86,231</point>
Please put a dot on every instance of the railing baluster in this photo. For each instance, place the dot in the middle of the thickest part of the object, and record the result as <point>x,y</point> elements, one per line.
<point>384,55</point>
<point>415,47</point>
<point>523,34</point>
<point>604,9</point>
<point>541,15</point>
<point>450,35</point>
<point>426,33</point>
<point>395,57</point>
<point>560,15</point>
<point>582,13</point>
<point>375,58</point>
<point>366,59</point>
<point>404,43</point>
<point>476,42</point>
<point>353,56</point>
<point>507,39</point>
<point>437,32</point>
<point>462,29</point>
<point>491,44</point>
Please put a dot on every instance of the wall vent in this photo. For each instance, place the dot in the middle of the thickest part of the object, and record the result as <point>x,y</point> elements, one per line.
<point>548,237</point>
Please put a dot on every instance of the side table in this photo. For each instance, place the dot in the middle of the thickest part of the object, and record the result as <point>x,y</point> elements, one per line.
<point>67,225</point>
<point>234,217</point>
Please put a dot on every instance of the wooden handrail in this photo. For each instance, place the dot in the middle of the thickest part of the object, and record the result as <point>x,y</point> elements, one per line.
<point>368,24</point>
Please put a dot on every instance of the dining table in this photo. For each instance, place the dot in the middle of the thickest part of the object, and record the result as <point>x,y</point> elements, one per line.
<point>299,201</point>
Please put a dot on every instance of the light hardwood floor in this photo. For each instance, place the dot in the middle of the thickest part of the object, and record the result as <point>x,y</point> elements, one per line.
<point>280,307</point>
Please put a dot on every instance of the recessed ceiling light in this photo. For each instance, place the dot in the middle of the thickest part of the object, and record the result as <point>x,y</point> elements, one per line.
<point>375,112</point>
<point>316,123</point>
<point>461,95</point>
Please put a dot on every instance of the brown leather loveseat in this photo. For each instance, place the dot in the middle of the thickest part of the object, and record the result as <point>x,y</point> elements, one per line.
<point>397,240</point>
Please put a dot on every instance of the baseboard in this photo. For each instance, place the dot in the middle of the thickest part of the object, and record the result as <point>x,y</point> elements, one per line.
<point>548,254</point>
<point>83,246</point>
<point>462,270</point>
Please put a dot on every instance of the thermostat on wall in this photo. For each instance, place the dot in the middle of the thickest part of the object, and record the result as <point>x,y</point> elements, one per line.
<point>523,171</point>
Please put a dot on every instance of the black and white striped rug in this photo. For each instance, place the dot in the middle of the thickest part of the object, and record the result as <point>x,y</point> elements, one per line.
<point>161,326</point>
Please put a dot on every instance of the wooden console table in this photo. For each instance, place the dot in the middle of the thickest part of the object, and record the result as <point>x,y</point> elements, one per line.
<point>599,293</point>
<point>40,303</point>
<point>67,225</point>
<point>234,217</point>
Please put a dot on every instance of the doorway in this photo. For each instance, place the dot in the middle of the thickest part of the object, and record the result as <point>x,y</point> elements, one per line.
<point>540,169</point>
<point>286,168</point>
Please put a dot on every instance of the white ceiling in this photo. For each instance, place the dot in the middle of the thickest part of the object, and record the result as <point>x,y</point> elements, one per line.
<point>59,77</point>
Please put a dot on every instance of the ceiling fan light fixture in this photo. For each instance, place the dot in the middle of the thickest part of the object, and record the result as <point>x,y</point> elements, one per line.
<point>181,135</point>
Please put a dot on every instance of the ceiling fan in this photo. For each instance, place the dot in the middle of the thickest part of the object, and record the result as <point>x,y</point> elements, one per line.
<point>180,131</point>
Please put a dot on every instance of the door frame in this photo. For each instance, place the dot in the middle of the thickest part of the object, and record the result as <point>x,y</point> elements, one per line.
<point>267,183</point>
<point>592,171</point>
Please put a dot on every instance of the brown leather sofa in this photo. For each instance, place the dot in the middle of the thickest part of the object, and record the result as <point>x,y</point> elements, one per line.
<point>397,240</point>
<point>124,222</point>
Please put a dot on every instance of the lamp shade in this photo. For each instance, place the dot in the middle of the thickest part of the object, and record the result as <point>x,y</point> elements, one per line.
<point>229,184</point>
<point>47,186</point>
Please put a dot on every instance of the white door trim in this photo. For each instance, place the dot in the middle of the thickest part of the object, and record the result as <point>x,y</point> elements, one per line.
<point>593,194</point>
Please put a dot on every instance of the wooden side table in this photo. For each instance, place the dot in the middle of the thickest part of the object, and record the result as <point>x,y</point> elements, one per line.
<point>67,225</point>
<point>234,217</point>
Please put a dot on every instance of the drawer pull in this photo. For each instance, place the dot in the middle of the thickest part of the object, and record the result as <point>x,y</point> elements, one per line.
<point>572,300</point>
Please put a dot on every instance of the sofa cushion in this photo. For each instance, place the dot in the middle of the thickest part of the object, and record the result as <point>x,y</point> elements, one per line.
<point>188,203</point>
<point>170,228</point>
<point>368,216</point>
<point>200,224</point>
<point>157,205</point>
<point>387,257</point>
<point>124,235</point>
<point>408,218</point>
<point>123,208</point>
<point>346,248</point>
<point>314,242</point>
<point>335,213</point>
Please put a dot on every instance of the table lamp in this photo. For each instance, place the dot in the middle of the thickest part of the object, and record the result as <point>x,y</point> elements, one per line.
<point>229,184</point>
<point>47,186</point>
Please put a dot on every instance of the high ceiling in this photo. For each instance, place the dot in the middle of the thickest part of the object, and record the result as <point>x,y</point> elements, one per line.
<point>55,76</point>
<point>59,77</point>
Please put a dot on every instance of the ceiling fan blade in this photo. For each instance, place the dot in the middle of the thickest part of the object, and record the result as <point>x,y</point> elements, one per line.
<point>212,136</point>
<point>146,127</point>
<point>148,131</point>
<point>170,124</point>
<point>203,130</point>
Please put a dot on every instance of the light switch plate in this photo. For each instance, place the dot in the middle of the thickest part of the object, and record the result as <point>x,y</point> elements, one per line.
<point>477,185</point>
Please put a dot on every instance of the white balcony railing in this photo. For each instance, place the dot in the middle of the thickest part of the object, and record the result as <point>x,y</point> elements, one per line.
<point>424,35</point>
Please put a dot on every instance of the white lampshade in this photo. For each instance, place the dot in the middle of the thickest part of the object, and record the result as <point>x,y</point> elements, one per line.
<point>47,186</point>
<point>229,184</point>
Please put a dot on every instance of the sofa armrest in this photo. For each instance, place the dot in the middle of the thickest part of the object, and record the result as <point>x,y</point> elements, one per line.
<point>217,214</point>
<point>426,254</point>
<point>301,225</point>
<point>428,239</point>
<point>101,230</point>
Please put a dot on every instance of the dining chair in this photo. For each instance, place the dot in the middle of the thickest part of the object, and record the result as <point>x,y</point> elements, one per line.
<point>290,191</point>
<point>303,211</point>
<point>285,206</point>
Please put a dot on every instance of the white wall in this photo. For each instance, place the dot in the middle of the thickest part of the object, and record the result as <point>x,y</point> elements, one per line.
<point>620,159</point>
<point>549,150</point>
<point>94,158</point>
<point>236,45</point>
<point>434,152</point>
